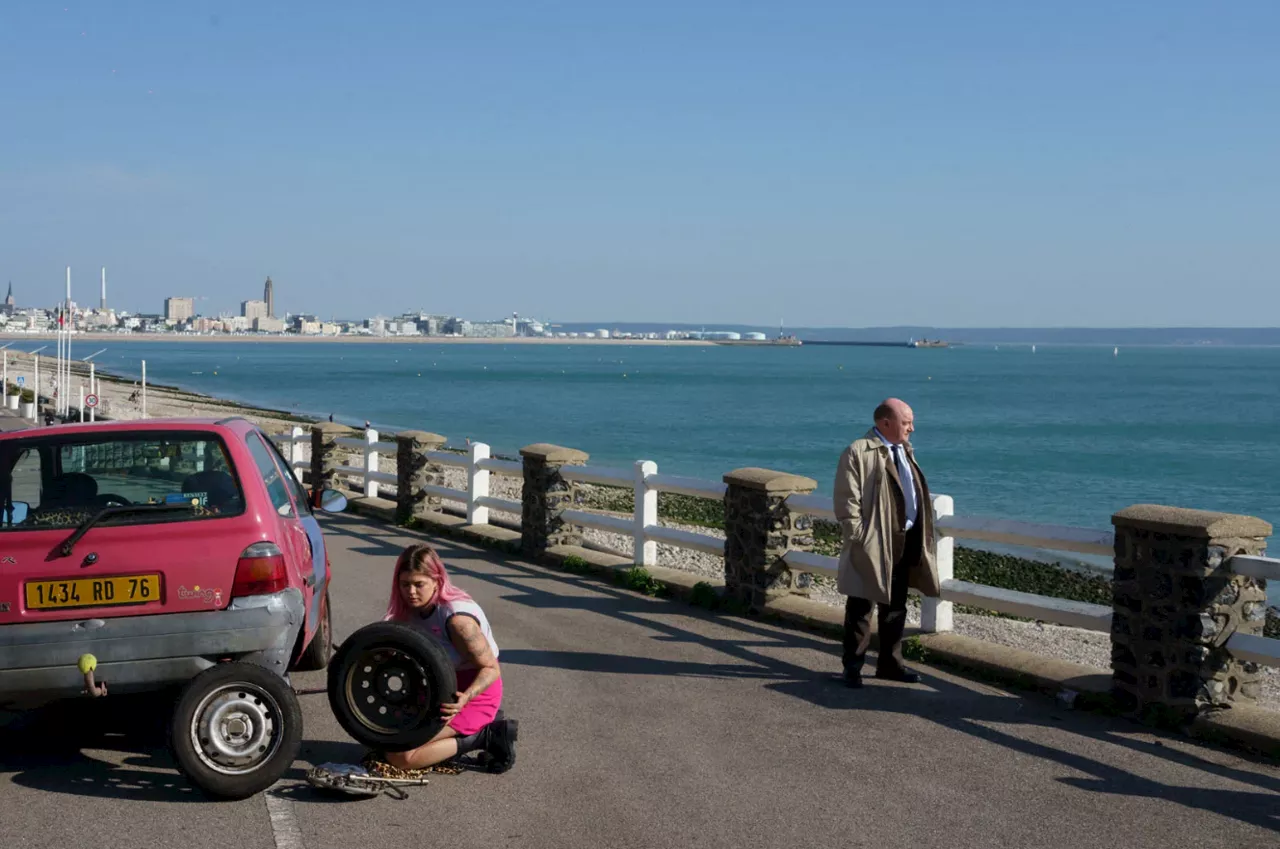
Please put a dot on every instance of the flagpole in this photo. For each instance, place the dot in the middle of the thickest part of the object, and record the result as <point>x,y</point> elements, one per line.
<point>66,326</point>
<point>57,368</point>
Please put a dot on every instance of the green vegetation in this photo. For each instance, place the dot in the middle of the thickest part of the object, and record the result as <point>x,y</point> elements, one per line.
<point>704,595</point>
<point>826,538</point>
<point>637,579</point>
<point>691,511</point>
<point>913,649</point>
<point>575,564</point>
<point>686,509</point>
<point>1030,576</point>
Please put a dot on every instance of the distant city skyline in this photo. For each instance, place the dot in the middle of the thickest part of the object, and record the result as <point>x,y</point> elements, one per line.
<point>942,164</point>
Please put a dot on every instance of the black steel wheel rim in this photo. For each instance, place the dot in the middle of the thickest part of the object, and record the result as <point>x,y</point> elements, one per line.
<point>387,689</point>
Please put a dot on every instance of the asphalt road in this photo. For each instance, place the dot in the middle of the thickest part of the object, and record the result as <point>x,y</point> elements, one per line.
<point>647,724</point>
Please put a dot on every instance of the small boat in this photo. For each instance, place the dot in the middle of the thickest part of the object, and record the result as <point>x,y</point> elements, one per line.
<point>1115,352</point>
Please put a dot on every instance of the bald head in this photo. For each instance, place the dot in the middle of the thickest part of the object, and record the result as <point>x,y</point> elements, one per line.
<point>894,420</point>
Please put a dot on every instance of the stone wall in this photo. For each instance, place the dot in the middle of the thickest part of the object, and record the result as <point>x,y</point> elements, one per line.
<point>759,530</point>
<point>1176,604</point>
<point>415,471</point>
<point>546,496</point>
<point>325,453</point>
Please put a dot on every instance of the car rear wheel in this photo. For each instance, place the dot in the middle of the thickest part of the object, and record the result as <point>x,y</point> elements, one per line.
<point>319,651</point>
<point>386,684</point>
<point>236,728</point>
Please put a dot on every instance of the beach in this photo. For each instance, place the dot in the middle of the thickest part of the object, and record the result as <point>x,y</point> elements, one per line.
<point>121,398</point>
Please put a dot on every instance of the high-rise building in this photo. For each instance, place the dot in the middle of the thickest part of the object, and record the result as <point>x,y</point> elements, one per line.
<point>103,305</point>
<point>179,309</point>
<point>254,309</point>
<point>269,295</point>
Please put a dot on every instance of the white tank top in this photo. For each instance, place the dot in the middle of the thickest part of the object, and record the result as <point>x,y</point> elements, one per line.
<point>433,624</point>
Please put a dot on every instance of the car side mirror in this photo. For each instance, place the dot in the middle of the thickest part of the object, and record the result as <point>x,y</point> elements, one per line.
<point>332,501</point>
<point>16,513</point>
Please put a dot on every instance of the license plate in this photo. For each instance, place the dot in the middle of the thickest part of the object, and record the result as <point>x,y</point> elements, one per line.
<point>93,592</point>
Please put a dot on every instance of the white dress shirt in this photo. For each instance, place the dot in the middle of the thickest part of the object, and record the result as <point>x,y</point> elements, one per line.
<point>910,500</point>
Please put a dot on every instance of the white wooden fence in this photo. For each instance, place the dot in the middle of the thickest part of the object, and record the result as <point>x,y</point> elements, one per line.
<point>646,532</point>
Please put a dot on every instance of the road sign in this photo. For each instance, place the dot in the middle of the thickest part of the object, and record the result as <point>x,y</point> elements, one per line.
<point>91,400</point>
<point>22,381</point>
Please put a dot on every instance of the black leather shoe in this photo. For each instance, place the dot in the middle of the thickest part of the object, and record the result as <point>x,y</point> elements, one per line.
<point>853,680</point>
<point>903,676</point>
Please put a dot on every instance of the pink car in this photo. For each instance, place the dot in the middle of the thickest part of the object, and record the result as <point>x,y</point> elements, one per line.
<point>136,556</point>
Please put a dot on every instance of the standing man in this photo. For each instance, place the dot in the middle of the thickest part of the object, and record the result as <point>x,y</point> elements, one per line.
<point>886,524</point>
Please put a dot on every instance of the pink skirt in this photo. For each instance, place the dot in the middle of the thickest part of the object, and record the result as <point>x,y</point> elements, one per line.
<point>481,710</point>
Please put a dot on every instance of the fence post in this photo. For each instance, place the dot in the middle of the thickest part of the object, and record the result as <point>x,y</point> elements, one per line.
<point>1175,605</point>
<point>646,515</point>
<point>370,463</point>
<point>759,530</point>
<point>414,471</point>
<point>546,494</point>
<point>935,614</point>
<point>295,450</point>
<point>324,460</point>
<point>477,485</point>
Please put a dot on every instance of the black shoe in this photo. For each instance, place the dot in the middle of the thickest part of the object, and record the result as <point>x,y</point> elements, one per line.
<point>501,744</point>
<point>853,680</point>
<point>903,676</point>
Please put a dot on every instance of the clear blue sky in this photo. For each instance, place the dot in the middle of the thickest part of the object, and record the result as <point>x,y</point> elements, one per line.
<point>990,163</point>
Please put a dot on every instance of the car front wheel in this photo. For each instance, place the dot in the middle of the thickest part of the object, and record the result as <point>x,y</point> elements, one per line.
<point>237,728</point>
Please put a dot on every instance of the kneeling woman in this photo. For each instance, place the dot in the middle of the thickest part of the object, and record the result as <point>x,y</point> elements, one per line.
<point>423,597</point>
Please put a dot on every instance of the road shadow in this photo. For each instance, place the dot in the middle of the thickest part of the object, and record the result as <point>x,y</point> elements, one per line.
<point>117,749</point>
<point>1001,719</point>
<point>113,749</point>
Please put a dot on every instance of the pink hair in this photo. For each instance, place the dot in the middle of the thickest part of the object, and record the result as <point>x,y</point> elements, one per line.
<point>421,558</point>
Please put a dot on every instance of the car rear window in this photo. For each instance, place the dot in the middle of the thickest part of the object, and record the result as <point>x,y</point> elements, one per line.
<point>50,482</point>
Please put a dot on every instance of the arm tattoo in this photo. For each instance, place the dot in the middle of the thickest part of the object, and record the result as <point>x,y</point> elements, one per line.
<point>470,640</point>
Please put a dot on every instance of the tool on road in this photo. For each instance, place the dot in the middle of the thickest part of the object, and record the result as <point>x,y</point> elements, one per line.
<point>373,777</point>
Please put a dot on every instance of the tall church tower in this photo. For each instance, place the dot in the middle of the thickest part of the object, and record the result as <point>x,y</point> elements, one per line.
<point>269,295</point>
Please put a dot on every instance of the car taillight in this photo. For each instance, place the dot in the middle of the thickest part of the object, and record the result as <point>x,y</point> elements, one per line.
<point>260,570</point>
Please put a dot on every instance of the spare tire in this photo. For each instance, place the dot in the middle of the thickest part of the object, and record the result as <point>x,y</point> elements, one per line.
<point>386,684</point>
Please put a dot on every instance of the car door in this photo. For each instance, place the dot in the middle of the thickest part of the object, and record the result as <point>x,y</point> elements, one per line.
<point>293,540</point>
<point>311,542</point>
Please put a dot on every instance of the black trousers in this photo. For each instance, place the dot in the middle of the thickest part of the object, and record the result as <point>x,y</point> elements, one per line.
<point>892,616</point>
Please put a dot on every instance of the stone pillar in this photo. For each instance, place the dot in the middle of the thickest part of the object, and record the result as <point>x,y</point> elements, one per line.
<point>1175,606</point>
<point>759,530</point>
<point>324,453</point>
<point>546,496</point>
<point>414,471</point>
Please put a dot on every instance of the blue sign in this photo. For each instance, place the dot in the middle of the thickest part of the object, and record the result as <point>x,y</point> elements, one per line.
<point>22,381</point>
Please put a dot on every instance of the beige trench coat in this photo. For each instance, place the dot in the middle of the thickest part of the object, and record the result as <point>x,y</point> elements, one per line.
<point>865,484</point>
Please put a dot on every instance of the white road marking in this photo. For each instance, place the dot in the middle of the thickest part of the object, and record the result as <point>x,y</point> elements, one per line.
<point>284,823</point>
